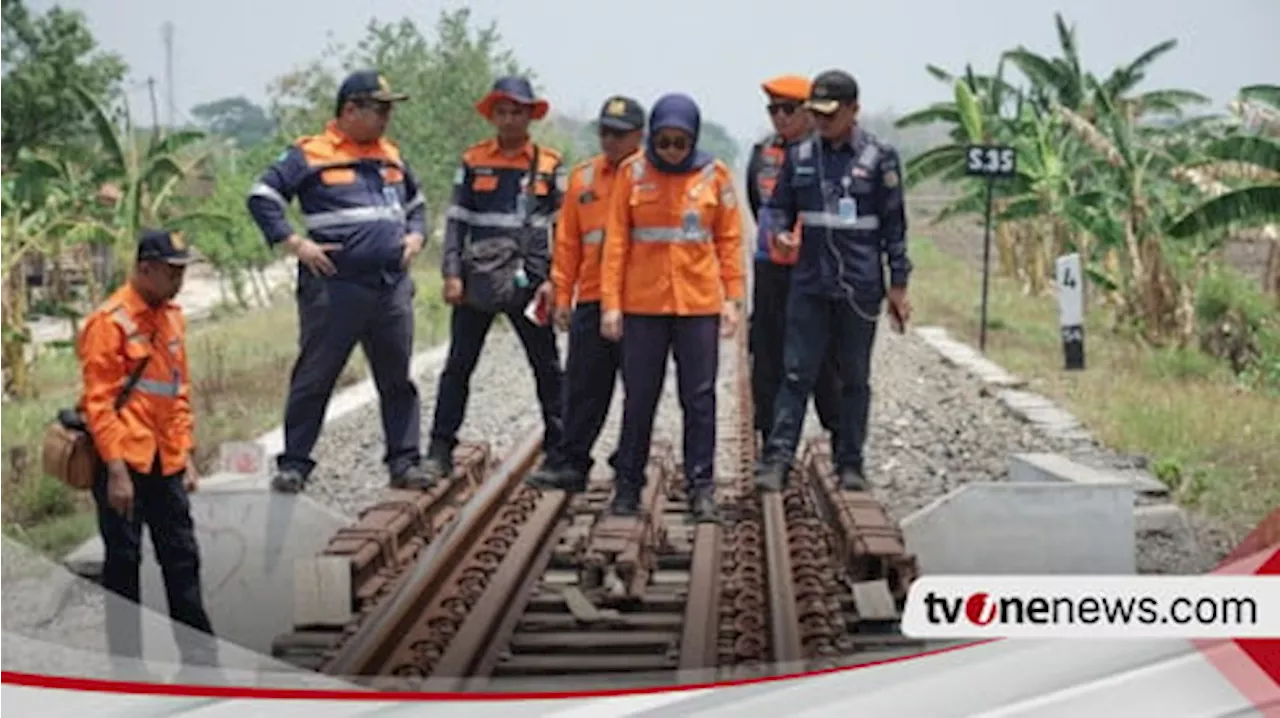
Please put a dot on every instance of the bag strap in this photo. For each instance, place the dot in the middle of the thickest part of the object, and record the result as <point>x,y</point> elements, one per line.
<point>134,377</point>
<point>531,192</point>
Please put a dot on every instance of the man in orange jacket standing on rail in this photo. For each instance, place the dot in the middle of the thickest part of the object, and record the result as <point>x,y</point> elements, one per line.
<point>133,348</point>
<point>594,362</point>
<point>772,277</point>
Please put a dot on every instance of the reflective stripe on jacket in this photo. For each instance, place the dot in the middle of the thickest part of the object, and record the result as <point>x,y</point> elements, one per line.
<point>361,196</point>
<point>844,256</point>
<point>486,204</point>
<point>157,417</point>
<point>575,267</point>
<point>673,243</point>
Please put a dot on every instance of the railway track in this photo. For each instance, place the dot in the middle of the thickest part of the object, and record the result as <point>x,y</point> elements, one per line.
<point>485,583</point>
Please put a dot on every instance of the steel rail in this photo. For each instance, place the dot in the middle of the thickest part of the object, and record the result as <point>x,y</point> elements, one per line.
<point>375,640</point>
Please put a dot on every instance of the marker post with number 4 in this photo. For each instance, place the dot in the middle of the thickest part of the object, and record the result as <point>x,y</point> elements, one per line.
<point>993,162</point>
<point>1071,310</point>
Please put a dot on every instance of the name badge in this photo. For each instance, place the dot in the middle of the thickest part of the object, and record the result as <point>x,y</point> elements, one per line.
<point>391,196</point>
<point>848,210</point>
<point>692,225</point>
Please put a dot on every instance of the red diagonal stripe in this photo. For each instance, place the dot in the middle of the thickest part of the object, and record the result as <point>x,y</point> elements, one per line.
<point>1252,665</point>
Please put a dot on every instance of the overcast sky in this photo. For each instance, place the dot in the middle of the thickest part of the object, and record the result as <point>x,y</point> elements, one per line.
<point>717,50</point>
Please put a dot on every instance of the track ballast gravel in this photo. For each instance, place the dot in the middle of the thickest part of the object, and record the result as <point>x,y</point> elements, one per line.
<point>933,429</point>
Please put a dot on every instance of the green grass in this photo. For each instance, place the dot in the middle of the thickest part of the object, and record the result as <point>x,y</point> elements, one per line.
<point>239,365</point>
<point>1215,443</point>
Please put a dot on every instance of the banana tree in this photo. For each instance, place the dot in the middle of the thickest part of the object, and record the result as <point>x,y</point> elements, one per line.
<point>148,178</point>
<point>1254,162</point>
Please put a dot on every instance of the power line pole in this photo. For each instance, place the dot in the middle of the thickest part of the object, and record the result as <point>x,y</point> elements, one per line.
<point>167,32</point>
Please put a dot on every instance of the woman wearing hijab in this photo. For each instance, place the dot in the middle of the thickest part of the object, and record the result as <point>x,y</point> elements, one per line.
<point>672,280</point>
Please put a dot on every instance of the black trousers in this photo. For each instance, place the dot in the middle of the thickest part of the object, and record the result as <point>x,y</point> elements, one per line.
<point>768,331</point>
<point>591,372</point>
<point>468,328</point>
<point>161,503</point>
<point>814,324</point>
<point>333,316</point>
<point>646,343</point>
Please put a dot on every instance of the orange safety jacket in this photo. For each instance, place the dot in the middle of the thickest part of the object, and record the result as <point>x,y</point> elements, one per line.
<point>575,262</point>
<point>157,418</point>
<point>673,242</point>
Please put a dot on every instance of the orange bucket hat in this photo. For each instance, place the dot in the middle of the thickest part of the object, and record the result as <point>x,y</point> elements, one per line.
<point>516,89</point>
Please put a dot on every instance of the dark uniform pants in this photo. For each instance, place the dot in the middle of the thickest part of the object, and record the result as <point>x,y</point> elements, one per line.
<point>468,328</point>
<point>772,285</point>
<point>646,341</point>
<point>812,322</point>
<point>333,316</point>
<point>591,371</point>
<point>161,503</point>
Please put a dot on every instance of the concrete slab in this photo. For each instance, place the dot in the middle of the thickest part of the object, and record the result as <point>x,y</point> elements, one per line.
<point>249,542</point>
<point>68,635</point>
<point>966,357</point>
<point>1056,467</point>
<point>1044,527</point>
<point>86,559</point>
<point>1161,518</point>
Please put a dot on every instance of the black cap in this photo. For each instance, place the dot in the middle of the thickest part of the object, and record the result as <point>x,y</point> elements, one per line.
<point>622,113</point>
<point>163,246</point>
<point>830,89</point>
<point>367,83</point>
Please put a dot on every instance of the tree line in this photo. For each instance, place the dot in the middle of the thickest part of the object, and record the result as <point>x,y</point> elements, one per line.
<point>81,174</point>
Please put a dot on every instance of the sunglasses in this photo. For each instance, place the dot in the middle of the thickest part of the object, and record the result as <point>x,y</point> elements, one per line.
<point>678,143</point>
<point>783,108</point>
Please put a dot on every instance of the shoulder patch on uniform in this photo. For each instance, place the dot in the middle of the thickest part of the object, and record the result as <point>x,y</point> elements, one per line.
<point>637,169</point>
<point>891,179</point>
<point>728,196</point>
<point>284,154</point>
<point>804,150</point>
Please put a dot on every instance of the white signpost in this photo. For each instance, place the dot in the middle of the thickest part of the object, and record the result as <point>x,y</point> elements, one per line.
<point>1071,309</point>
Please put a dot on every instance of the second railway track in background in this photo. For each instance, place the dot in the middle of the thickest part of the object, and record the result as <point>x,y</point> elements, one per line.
<point>485,583</point>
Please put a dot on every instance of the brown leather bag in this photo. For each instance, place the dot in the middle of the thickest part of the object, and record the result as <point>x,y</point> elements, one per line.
<point>69,454</point>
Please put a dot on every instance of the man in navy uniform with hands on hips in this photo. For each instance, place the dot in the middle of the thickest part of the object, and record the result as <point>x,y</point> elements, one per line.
<point>365,217</point>
<point>844,185</point>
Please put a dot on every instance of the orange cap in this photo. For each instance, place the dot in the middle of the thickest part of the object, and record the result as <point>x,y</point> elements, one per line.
<point>789,87</point>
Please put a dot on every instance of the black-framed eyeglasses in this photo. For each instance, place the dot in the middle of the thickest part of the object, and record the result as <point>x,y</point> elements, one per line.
<point>784,108</point>
<point>677,143</point>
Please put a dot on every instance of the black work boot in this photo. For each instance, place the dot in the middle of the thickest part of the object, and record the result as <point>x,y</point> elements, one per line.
<point>288,481</point>
<point>703,508</point>
<point>562,478</point>
<point>412,476</point>
<point>851,479</point>
<point>771,476</point>
<point>626,500</point>
<point>439,462</point>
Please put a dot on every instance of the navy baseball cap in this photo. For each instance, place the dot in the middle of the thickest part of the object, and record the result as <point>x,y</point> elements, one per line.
<point>622,113</point>
<point>830,89</point>
<point>164,246</point>
<point>367,83</point>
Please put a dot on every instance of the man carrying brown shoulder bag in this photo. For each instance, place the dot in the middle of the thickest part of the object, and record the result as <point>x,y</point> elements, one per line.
<point>134,447</point>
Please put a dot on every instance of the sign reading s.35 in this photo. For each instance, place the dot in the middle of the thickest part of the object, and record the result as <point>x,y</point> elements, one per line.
<point>990,161</point>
